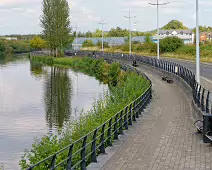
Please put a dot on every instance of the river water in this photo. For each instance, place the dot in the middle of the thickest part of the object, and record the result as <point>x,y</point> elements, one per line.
<point>36,100</point>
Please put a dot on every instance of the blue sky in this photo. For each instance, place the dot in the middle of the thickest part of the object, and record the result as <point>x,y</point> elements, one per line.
<point>22,16</point>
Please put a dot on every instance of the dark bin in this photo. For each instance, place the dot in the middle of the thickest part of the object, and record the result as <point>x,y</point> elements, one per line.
<point>207,126</point>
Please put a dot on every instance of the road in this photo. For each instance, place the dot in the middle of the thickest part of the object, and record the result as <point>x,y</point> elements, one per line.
<point>205,69</point>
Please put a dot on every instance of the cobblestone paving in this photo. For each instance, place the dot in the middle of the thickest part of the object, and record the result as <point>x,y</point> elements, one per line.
<point>166,137</point>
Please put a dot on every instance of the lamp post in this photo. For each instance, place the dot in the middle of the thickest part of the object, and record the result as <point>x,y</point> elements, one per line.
<point>158,40</point>
<point>130,33</point>
<point>102,23</point>
<point>197,44</point>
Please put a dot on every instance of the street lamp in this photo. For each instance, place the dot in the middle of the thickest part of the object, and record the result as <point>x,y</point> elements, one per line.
<point>158,40</point>
<point>197,44</point>
<point>130,35</point>
<point>102,23</point>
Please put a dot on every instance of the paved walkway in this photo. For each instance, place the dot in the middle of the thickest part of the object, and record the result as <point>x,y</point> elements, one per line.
<point>165,138</point>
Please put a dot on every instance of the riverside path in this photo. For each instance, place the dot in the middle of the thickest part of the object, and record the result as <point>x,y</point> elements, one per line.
<point>165,138</point>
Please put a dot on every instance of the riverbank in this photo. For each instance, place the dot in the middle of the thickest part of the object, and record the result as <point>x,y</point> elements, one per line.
<point>185,54</point>
<point>125,87</point>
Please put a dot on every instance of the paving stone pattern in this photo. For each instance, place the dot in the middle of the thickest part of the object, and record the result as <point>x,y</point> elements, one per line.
<point>165,138</point>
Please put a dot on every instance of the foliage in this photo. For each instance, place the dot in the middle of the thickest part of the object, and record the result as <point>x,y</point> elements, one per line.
<point>56,24</point>
<point>187,50</point>
<point>99,44</point>
<point>203,29</point>
<point>148,39</point>
<point>113,32</point>
<point>174,25</point>
<point>87,43</point>
<point>2,46</point>
<point>37,43</point>
<point>170,44</point>
<point>16,46</point>
<point>97,33</point>
<point>118,32</point>
<point>129,86</point>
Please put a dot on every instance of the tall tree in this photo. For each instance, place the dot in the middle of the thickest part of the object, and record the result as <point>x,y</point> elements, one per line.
<point>56,24</point>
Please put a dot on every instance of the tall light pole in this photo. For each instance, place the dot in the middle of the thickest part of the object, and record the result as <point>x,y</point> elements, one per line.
<point>197,44</point>
<point>158,40</point>
<point>130,36</point>
<point>76,36</point>
<point>102,23</point>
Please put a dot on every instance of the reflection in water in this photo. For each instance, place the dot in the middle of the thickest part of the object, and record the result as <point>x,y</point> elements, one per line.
<point>34,99</point>
<point>57,97</point>
<point>36,69</point>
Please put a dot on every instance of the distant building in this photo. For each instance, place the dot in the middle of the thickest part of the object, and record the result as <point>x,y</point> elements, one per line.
<point>186,35</point>
<point>9,38</point>
<point>205,36</point>
<point>112,41</point>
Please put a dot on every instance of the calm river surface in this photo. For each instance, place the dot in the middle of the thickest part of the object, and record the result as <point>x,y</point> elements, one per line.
<point>35,100</point>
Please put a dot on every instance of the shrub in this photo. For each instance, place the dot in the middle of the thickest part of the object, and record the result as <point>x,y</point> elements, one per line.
<point>146,47</point>
<point>106,44</point>
<point>2,47</point>
<point>148,39</point>
<point>186,49</point>
<point>87,43</point>
<point>170,44</point>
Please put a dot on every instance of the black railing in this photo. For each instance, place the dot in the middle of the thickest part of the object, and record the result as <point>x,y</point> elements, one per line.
<point>201,95</point>
<point>85,150</point>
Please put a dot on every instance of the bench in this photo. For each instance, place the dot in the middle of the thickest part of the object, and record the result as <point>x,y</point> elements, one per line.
<point>209,136</point>
<point>199,125</point>
<point>167,79</point>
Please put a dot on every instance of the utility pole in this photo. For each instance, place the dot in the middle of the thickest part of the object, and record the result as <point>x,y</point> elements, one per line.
<point>102,23</point>
<point>130,36</point>
<point>158,40</point>
<point>197,44</point>
<point>76,35</point>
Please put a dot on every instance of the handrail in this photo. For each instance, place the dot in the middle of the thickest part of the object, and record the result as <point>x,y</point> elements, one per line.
<point>100,138</point>
<point>201,95</point>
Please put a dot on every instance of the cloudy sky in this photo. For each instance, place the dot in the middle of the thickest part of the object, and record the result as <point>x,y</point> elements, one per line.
<point>22,16</point>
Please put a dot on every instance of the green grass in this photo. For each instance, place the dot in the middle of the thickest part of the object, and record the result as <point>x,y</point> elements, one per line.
<point>125,87</point>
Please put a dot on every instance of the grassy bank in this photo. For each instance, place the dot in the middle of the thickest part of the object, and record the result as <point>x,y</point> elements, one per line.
<point>187,52</point>
<point>125,87</point>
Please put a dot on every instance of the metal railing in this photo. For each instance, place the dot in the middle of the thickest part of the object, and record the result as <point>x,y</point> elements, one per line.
<point>85,150</point>
<point>201,95</point>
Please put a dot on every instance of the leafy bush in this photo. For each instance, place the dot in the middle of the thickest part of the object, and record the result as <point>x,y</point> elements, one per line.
<point>186,49</point>
<point>148,39</point>
<point>87,43</point>
<point>2,47</point>
<point>170,44</point>
<point>146,47</point>
<point>106,44</point>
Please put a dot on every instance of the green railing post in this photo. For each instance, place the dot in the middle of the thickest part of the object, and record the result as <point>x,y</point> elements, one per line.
<point>126,118</point>
<point>93,147</point>
<point>69,161</point>
<point>53,162</point>
<point>134,111</point>
<point>130,119</point>
<point>121,123</point>
<point>102,139</point>
<point>83,154</point>
<point>115,128</point>
<point>109,133</point>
